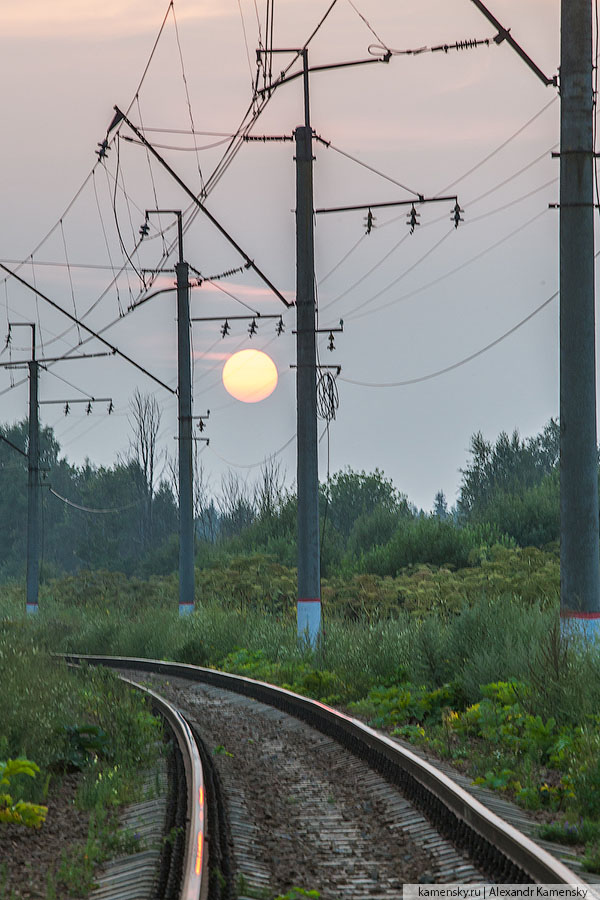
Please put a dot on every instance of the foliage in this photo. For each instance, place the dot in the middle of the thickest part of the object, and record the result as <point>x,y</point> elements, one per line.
<point>509,494</point>
<point>591,861</point>
<point>513,484</point>
<point>297,893</point>
<point>31,815</point>
<point>74,539</point>
<point>406,703</point>
<point>105,839</point>
<point>84,743</point>
<point>508,466</point>
<point>250,582</point>
<point>350,495</point>
<point>371,530</point>
<point>296,674</point>
<point>39,701</point>
<point>85,719</point>
<point>531,517</point>
<point>582,831</point>
<point>429,539</point>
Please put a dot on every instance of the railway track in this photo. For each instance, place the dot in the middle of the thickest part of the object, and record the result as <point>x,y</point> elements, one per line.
<point>298,794</point>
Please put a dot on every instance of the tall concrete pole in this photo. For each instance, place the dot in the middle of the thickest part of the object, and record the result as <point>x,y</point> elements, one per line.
<point>309,563</point>
<point>184,393</point>
<point>33,486</point>
<point>580,572</point>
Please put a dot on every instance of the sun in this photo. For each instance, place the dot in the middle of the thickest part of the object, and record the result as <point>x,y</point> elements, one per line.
<point>250,376</point>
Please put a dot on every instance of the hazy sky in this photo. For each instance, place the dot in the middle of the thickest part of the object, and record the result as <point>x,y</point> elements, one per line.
<point>412,304</point>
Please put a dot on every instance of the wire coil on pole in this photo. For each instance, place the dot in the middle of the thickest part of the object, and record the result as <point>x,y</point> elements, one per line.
<point>328,399</point>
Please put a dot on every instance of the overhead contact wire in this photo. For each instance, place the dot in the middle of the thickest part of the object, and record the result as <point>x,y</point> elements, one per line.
<point>461,362</point>
<point>458,268</point>
<point>187,96</point>
<point>499,148</point>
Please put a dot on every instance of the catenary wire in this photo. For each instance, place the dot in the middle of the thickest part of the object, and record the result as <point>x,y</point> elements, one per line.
<point>349,314</point>
<point>239,2</point>
<point>499,147</point>
<point>88,509</point>
<point>461,362</point>
<point>395,219</point>
<point>360,315</point>
<point>369,26</point>
<point>69,383</point>
<point>440,219</point>
<point>365,165</point>
<point>89,175</point>
<point>107,245</point>
<point>380,262</point>
<point>187,97</point>
<point>256,464</point>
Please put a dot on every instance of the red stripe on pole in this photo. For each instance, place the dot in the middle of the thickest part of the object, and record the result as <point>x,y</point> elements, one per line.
<point>571,614</point>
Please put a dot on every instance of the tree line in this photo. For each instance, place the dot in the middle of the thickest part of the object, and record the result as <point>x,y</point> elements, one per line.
<point>124,517</point>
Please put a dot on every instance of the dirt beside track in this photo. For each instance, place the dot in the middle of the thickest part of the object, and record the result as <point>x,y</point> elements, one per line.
<point>27,855</point>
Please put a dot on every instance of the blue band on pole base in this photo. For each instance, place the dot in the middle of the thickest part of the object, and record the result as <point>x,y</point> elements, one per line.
<point>186,609</point>
<point>583,623</point>
<point>32,609</point>
<point>309,619</point>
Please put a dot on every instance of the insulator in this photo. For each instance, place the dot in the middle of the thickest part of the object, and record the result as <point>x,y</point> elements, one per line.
<point>252,327</point>
<point>331,344</point>
<point>369,222</point>
<point>413,219</point>
<point>110,407</point>
<point>88,409</point>
<point>101,153</point>
<point>280,327</point>
<point>144,229</point>
<point>225,328</point>
<point>456,215</point>
<point>201,425</point>
<point>67,409</point>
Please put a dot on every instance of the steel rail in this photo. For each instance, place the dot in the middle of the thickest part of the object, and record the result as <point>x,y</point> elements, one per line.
<point>496,845</point>
<point>194,877</point>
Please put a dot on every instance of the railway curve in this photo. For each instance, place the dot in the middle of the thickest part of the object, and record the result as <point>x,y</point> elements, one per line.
<point>496,850</point>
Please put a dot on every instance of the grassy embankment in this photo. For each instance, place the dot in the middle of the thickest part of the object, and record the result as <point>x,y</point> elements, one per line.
<point>469,663</point>
<point>68,722</point>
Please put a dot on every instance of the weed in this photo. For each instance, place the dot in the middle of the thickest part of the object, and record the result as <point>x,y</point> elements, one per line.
<point>297,893</point>
<point>104,840</point>
<point>413,733</point>
<point>591,861</point>
<point>51,893</point>
<point>582,832</point>
<point>245,889</point>
<point>4,888</point>
<point>19,812</point>
<point>498,781</point>
<point>84,743</point>
<point>173,834</point>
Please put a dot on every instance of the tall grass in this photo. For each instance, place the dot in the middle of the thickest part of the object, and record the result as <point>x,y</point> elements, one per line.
<point>494,638</point>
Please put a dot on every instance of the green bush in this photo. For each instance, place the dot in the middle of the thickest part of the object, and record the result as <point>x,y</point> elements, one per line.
<point>405,704</point>
<point>582,832</point>
<point>428,539</point>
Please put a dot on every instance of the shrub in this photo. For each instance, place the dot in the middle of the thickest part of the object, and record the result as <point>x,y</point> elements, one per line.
<point>428,539</point>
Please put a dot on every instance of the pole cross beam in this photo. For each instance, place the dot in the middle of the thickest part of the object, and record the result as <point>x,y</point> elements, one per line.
<point>359,206</point>
<point>120,116</point>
